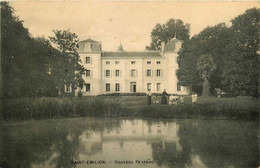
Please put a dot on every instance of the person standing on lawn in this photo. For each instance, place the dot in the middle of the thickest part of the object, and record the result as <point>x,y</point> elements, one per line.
<point>149,97</point>
<point>194,98</point>
<point>182,100</point>
<point>164,97</point>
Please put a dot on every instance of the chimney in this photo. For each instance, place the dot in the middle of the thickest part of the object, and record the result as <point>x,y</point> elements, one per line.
<point>163,46</point>
<point>100,44</point>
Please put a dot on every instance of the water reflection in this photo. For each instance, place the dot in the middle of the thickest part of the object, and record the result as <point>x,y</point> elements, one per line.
<point>83,142</point>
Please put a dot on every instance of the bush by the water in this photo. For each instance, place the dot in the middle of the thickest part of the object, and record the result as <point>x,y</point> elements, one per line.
<point>242,108</point>
<point>200,111</point>
<point>45,108</point>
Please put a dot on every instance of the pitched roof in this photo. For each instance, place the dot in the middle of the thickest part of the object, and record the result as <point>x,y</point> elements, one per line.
<point>132,54</point>
<point>95,46</point>
<point>88,41</point>
<point>170,46</point>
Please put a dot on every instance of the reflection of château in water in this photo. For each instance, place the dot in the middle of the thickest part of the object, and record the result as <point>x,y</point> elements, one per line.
<point>138,131</point>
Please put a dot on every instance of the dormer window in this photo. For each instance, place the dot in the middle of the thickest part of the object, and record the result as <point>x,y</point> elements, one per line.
<point>88,47</point>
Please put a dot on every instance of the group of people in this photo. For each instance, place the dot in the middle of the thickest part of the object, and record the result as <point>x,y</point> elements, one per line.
<point>171,99</point>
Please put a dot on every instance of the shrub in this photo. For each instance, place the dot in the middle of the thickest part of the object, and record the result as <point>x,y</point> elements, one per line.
<point>124,94</point>
<point>45,108</point>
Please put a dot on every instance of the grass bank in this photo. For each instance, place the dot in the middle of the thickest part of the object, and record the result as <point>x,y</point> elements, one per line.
<point>241,108</point>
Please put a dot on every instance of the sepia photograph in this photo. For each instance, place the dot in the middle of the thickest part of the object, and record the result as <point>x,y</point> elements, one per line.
<point>130,84</point>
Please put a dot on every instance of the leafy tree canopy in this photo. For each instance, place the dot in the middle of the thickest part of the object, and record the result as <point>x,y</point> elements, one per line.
<point>241,70</point>
<point>32,66</point>
<point>68,69</point>
<point>164,33</point>
<point>233,49</point>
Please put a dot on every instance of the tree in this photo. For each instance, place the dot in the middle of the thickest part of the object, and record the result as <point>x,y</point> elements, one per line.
<point>24,59</point>
<point>235,51</point>
<point>32,66</point>
<point>211,41</point>
<point>241,68</point>
<point>187,73</point>
<point>66,68</point>
<point>206,67</point>
<point>13,51</point>
<point>164,33</point>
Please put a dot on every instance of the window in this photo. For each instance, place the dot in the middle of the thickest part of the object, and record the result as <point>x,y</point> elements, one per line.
<point>133,73</point>
<point>117,73</point>
<point>107,62</point>
<point>107,73</point>
<point>178,87</point>
<point>148,72</point>
<point>68,88</point>
<point>107,87</point>
<point>158,72</point>
<point>117,87</point>
<point>116,62</point>
<point>158,86</point>
<point>88,87</point>
<point>148,62</point>
<point>158,62</point>
<point>88,73</point>
<point>132,62</point>
<point>133,87</point>
<point>149,86</point>
<point>87,60</point>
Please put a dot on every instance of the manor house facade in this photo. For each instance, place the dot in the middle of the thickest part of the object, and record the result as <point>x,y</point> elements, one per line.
<point>129,72</point>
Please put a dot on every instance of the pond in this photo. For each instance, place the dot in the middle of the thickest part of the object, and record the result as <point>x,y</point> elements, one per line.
<point>105,143</point>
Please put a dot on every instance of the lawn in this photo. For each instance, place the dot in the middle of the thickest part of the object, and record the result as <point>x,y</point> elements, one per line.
<point>140,101</point>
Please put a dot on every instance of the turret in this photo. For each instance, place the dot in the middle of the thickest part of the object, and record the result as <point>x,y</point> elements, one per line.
<point>90,52</point>
<point>170,53</point>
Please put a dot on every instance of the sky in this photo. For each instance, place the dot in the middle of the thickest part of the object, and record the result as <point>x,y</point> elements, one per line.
<point>126,22</point>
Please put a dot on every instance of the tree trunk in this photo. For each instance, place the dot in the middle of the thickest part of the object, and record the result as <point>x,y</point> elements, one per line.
<point>206,88</point>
